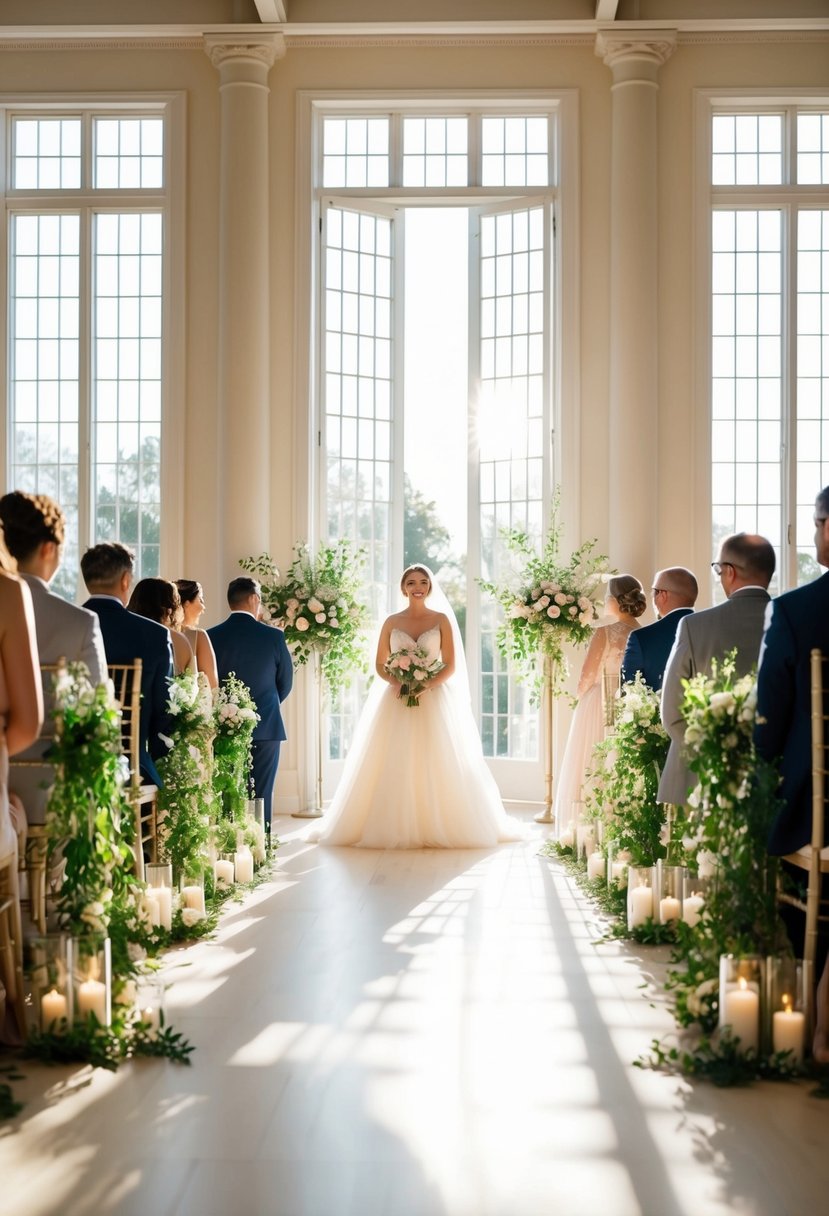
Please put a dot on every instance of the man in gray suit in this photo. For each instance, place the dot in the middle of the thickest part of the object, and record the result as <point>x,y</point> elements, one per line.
<point>34,527</point>
<point>745,567</point>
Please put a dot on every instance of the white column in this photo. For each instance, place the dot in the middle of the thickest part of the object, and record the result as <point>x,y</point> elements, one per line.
<point>633,406</point>
<point>244,313</point>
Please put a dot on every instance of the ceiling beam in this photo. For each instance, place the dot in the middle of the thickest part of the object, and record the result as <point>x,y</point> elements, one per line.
<point>272,11</point>
<point>605,10</point>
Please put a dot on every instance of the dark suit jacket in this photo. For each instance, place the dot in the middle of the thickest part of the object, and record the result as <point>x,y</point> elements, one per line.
<point>259,656</point>
<point>648,649</point>
<point>701,637</point>
<point>796,623</point>
<point>128,637</point>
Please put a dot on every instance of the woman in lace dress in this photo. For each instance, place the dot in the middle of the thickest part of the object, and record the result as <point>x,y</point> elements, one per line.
<point>625,602</point>
<point>415,777</point>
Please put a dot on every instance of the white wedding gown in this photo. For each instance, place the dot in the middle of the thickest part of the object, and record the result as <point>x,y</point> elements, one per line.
<point>416,777</point>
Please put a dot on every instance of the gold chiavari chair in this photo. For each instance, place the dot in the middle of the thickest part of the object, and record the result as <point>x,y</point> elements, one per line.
<point>814,856</point>
<point>126,683</point>
<point>610,700</point>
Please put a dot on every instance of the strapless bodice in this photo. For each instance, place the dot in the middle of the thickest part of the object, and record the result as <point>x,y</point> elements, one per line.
<point>429,641</point>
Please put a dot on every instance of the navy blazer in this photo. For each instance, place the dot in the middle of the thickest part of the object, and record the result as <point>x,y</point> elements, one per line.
<point>259,656</point>
<point>648,649</point>
<point>796,624</point>
<point>128,637</point>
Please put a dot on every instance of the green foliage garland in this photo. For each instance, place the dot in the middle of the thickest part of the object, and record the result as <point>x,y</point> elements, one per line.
<point>186,799</point>
<point>235,719</point>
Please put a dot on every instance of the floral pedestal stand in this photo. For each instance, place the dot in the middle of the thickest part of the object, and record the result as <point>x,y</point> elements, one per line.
<point>315,810</point>
<point>547,816</point>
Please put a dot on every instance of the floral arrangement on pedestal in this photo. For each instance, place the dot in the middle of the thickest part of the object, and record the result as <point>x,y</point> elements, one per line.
<point>319,605</point>
<point>622,784</point>
<point>186,799</point>
<point>235,719</point>
<point>549,603</point>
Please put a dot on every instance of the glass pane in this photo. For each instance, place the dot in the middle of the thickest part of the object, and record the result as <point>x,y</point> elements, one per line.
<point>746,149</point>
<point>355,152</point>
<point>46,153</point>
<point>812,149</point>
<point>129,153</point>
<point>515,151</point>
<point>812,376</point>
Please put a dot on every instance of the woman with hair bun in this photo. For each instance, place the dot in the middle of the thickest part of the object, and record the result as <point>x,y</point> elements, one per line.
<point>193,606</point>
<point>625,601</point>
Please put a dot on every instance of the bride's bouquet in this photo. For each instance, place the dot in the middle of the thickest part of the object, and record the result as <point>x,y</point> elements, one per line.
<point>413,669</point>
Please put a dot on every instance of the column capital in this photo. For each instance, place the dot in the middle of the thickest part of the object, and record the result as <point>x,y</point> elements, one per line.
<point>647,49</point>
<point>263,50</point>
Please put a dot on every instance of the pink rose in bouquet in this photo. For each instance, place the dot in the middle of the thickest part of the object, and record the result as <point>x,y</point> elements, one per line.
<point>413,670</point>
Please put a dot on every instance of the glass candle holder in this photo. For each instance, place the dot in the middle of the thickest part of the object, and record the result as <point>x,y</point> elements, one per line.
<point>243,861</point>
<point>741,987</point>
<point>224,871</point>
<point>91,970</point>
<point>159,878</point>
<point>567,836</point>
<point>641,886</point>
<point>585,839</point>
<point>671,884</point>
<point>597,866</point>
<point>51,982</point>
<point>191,893</point>
<point>149,1004</point>
<point>694,895</point>
<point>784,1021</point>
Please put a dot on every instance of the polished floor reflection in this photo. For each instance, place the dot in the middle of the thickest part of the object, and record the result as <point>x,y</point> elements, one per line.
<point>430,1033</point>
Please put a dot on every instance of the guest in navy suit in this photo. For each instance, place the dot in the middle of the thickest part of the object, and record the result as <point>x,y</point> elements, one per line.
<point>107,571</point>
<point>796,624</point>
<point>259,656</point>
<point>674,593</point>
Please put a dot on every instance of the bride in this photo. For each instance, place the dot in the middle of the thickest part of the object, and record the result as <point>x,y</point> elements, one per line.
<point>415,777</point>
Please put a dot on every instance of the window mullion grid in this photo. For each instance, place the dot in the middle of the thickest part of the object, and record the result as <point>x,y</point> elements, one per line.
<point>788,452</point>
<point>473,166</point>
<point>396,149</point>
<point>86,447</point>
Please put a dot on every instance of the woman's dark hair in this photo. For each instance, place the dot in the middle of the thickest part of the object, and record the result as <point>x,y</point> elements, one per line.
<point>416,569</point>
<point>628,594</point>
<point>29,520</point>
<point>188,589</point>
<point>158,599</point>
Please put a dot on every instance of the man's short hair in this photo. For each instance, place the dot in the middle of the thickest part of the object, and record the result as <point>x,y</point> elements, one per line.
<point>681,583</point>
<point>752,555</point>
<point>103,565</point>
<point>822,503</point>
<point>240,589</point>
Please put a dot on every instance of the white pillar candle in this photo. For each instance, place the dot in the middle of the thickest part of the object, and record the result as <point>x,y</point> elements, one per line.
<point>151,1017</point>
<point>152,907</point>
<point>244,864</point>
<point>52,1009</point>
<point>669,909</point>
<point>691,908</point>
<point>619,874</point>
<point>567,838</point>
<point>193,897</point>
<point>92,998</point>
<point>742,1014</point>
<point>641,904</point>
<point>597,866</point>
<point>164,898</point>
<point>788,1031</point>
<point>223,872</point>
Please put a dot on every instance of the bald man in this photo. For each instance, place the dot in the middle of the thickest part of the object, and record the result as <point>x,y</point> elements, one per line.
<point>674,593</point>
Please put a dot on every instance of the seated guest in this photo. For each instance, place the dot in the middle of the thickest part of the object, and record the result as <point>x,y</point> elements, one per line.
<point>34,528</point>
<point>745,567</point>
<point>796,624</point>
<point>259,656</point>
<point>107,571</point>
<point>193,606</point>
<point>158,600</point>
<point>674,593</point>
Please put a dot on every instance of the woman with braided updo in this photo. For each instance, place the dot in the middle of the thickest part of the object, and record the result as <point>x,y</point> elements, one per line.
<point>625,601</point>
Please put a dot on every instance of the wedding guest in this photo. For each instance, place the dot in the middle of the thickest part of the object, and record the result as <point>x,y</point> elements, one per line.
<point>158,600</point>
<point>259,656</point>
<point>34,527</point>
<point>745,566</point>
<point>624,603</point>
<point>673,595</point>
<point>107,571</point>
<point>796,624</point>
<point>193,606</point>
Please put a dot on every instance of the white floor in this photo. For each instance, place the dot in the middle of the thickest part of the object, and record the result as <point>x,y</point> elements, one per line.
<point>410,1034</point>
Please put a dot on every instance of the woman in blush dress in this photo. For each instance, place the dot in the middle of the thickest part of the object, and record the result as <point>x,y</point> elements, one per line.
<point>415,776</point>
<point>158,600</point>
<point>625,602</point>
<point>193,606</point>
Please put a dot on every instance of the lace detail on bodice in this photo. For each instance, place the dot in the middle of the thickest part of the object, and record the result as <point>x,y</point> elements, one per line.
<point>429,641</point>
<point>605,653</point>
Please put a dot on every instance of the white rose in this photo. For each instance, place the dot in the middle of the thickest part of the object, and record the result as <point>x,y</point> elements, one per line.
<point>553,611</point>
<point>334,623</point>
<point>320,618</point>
<point>191,916</point>
<point>314,605</point>
<point>706,863</point>
<point>561,598</point>
<point>302,624</point>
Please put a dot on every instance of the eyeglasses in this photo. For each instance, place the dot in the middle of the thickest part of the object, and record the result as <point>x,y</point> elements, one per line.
<point>717,567</point>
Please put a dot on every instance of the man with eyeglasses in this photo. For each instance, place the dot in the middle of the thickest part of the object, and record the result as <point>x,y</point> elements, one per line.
<point>673,594</point>
<point>796,624</point>
<point>745,567</point>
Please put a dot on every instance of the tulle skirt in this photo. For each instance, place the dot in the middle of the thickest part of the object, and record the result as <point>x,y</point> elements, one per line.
<point>416,778</point>
<point>586,730</point>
